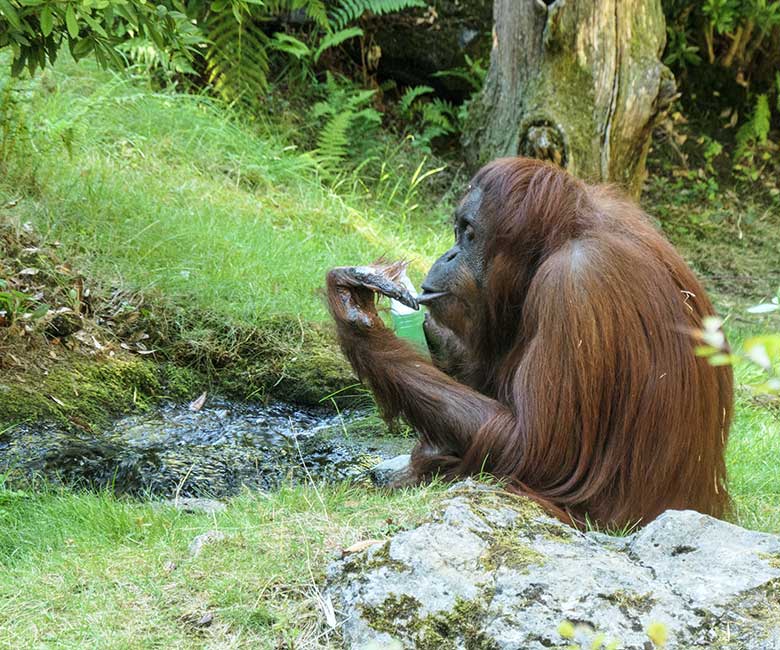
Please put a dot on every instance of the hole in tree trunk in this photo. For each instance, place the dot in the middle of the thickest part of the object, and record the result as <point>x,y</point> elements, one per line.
<point>544,141</point>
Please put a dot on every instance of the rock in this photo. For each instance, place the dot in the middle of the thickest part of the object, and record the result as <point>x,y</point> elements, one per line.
<point>209,537</point>
<point>196,505</point>
<point>390,470</point>
<point>491,571</point>
<point>63,323</point>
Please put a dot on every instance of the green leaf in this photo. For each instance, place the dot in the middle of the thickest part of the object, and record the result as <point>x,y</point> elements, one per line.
<point>71,22</point>
<point>18,65</point>
<point>47,20</point>
<point>96,26</point>
<point>40,311</point>
<point>81,48</point>
<point>289,44</point>
<point>10,13</point>
<point>336,38</point>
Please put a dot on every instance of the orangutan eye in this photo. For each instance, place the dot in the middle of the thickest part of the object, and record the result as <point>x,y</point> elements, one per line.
<point>470,234</point>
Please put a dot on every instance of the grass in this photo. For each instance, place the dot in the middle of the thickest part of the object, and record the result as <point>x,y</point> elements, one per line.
<point>83,570</point>
<point>170,192</point>
<point>752,458</point>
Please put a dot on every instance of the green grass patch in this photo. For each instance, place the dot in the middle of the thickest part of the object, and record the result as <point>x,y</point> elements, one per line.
<point>753,451</point>
<point>86,570</point>
<point>170,191</point>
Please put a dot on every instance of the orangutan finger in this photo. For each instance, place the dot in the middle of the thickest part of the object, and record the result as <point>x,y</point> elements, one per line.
<point>380,281</point>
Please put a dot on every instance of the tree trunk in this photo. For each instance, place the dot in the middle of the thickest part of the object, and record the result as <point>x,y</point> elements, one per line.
<point>578,82</point>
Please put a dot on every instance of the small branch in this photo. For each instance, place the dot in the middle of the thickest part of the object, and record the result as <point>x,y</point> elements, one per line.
<point>732,52</point>
<point>708,39</point>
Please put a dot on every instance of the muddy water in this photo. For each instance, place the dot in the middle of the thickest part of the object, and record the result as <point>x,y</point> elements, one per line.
<point>216,451</point>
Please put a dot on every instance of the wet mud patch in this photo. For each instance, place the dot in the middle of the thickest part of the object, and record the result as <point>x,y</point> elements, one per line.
<point>216,451</point>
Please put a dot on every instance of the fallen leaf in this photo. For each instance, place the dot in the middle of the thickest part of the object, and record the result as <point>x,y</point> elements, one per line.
<point>362,545</point>
<point>326,605</point>
<point>197,404</point>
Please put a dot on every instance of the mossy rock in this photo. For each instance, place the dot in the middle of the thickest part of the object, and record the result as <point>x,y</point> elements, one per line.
<point>490,570</point>
<point>87,393</point>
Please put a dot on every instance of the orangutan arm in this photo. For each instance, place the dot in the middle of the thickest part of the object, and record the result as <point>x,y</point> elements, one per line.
<point>447,414</point>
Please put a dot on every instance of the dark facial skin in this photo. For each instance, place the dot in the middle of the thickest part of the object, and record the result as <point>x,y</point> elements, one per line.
<point>448,288</point>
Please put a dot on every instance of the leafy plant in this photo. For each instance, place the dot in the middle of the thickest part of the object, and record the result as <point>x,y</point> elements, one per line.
<point>761,354</point>
<point>432,117</point>
<point>14,129</point>
<point>348,121</point>
<point>473,73</point>
<point>14,306</point>
<point>752,139</point>
<point>237,55</point>
<point>679,50</point>
<point>744,22</point>
<point>410,96</point>
<point>348,11</point>
<point>34,30</point>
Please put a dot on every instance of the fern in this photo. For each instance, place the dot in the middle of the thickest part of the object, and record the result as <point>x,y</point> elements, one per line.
<point>761,119</point>
<point>442,114</point>
<point>350,120</point>
<point>752,140</point>
<point>410,96</point>
<point>756,129</point>
<point>237,58</point>
<point>348,11</point>
<point>315,9</point>
<point>473,73</point>
<point>333,141</point>
<point>336,38</point>
<point>433,117</point>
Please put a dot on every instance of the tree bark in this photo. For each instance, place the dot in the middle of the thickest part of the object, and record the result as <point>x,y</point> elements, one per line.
<point>578,82</point>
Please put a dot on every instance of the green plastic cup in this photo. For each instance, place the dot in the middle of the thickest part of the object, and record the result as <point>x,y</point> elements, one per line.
<point>410,328</point>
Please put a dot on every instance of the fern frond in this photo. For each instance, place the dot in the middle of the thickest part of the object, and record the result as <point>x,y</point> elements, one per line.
<point>761,119</point>
<point>410,96</point>
<point>360,97</point>
<point>369,116</point>
<point>237,58</point>
<point>287,43</point>
<point>336,38</point>
<point>432,117</point>
<point>315,9</point>
<point>777,89</point>
<point>756,129</point>
<point>333,143</point>
<point>348,11</point>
